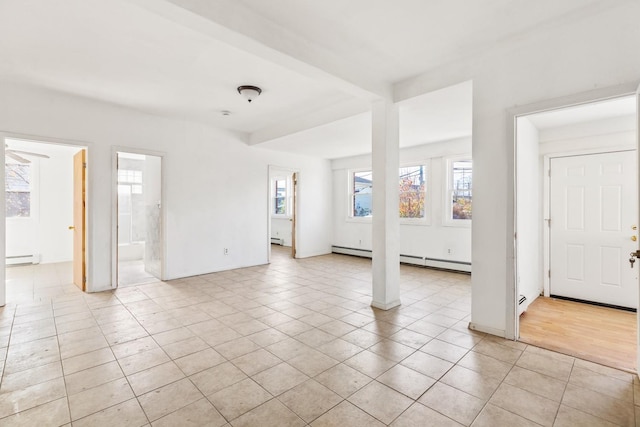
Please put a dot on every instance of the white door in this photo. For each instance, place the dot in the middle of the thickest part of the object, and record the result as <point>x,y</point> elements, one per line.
<point>593,202</point>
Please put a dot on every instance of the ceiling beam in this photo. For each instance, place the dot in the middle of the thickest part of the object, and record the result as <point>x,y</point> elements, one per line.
<point>231,22</point>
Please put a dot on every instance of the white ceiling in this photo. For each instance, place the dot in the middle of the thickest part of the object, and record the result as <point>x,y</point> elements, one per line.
<point>317,62</point>
<point>437,116</point>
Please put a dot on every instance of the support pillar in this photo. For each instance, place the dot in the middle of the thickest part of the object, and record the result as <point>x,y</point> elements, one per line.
<point>385,222</point>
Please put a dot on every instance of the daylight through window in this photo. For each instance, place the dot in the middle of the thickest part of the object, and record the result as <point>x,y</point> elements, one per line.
<point>18,190</point>
<point>280,197</point>
<point>461,191</point>
<point>412,191</point>
<point>361,194</point>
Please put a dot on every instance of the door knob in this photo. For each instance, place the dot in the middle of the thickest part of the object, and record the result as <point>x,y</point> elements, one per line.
<point>634,238</point>
<point>71,227</point>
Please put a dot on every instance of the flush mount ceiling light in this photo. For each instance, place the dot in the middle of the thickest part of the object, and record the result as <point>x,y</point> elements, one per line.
<point>249,92</point>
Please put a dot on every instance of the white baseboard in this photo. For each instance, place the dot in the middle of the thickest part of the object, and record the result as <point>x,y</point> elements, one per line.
<point>487,330</point>
<point>421,261</point>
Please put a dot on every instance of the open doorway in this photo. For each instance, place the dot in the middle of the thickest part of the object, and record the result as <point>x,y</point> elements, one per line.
<point>576,223</point>
<point>283,189</point>
<point>45,219</point>
<point>139,219</point>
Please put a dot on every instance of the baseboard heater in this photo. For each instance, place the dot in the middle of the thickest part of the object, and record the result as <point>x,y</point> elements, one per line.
<point>422,261</point>
<point>277,241</point>
<point>21,260</point>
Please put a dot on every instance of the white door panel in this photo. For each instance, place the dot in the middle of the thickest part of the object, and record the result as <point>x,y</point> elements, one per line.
<point>593,204</point>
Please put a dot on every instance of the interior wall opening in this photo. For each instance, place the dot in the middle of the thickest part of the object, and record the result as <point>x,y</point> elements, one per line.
<point>282,208</point>
<point>576,223</point>
<point>45,246</point>
<point>139,220</point>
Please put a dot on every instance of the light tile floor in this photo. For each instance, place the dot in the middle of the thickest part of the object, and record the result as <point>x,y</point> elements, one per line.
<point>293,343</point>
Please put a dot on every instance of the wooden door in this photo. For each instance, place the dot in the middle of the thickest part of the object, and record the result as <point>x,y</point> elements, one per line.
<point>294,209</point>
<point>79,218</point>
<point>593,228</point>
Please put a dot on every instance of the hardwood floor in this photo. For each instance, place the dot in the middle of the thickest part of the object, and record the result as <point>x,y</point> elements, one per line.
<point>598,334</point>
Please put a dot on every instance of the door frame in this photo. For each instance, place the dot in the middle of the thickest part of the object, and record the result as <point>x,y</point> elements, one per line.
<point>89,232</point>
<point>272,171</point>
<point>114,208</point>
<point>512,319</point>
<point>546,204</point>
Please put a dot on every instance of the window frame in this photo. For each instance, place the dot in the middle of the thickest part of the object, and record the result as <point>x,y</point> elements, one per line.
<point>447,216</point>
<point>31,191</point>
<point>426,219</point>
<point>351,196</point>
<point>287,198</point>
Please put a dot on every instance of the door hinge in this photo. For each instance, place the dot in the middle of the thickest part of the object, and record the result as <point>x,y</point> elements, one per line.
<point>549,172</point>
<point>84,165</point>
<point>84,279</point>
<point>549,274</point>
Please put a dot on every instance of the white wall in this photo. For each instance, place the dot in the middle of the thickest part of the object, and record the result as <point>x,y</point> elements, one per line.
<point>529,211</point>
<point>563,60</point>
<point>430,240</point>
<point>281,229</point>
<point>207,207</point>
<point>46,233</point>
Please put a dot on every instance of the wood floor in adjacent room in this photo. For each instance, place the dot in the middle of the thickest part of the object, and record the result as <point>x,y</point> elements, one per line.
<point>598,334</point>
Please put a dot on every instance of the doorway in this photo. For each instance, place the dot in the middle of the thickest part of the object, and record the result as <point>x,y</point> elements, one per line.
<point>45,239</point>
<point>576,206</point>
<point>139,238</point>
<point>283,192</point>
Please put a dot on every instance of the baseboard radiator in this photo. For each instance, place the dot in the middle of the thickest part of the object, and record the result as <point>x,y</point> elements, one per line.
<point>22,260</point>
<point>277,241</point>
<point>422,261</point>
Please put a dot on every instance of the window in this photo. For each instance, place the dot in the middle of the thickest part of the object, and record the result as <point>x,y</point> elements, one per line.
<point>18,190</point>
<point>280,197</point>
<point>461,189</point>
<point>131,177</point>
<point>361,191</point>
<point>131,206</point>
<point>412,191</point>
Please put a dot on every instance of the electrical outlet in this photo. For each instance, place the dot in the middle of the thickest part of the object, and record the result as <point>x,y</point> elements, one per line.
<point>226,251</point>
<point>449,251</point>
<point>360,242</point>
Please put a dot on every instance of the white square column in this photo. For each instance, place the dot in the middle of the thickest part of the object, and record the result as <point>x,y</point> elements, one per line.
<point>386,222</point>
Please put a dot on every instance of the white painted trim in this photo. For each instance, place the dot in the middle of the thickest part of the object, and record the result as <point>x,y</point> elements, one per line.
<point>487,330</point>
<point>447,221</point>
<point>388,306</point>
<point>512,320</point>
<point>115,149</point>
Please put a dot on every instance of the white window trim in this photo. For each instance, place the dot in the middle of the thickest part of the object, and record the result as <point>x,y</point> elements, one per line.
<point>350,194</point>
<point>288,196</point>
<point>426,220</point>
<point>447,220</point>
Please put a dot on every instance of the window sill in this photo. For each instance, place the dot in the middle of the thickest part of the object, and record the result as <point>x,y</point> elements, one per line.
<point>422,221</point>
<point>275,216</point>
<point>362,220</point>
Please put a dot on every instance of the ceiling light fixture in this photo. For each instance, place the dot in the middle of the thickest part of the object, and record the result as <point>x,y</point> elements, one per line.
<point>249,92</point>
